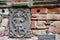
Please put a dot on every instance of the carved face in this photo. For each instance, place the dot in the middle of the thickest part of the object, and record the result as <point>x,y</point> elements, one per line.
<point>55,27</point>
<point>19,17</point>
<point>20,23</point>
